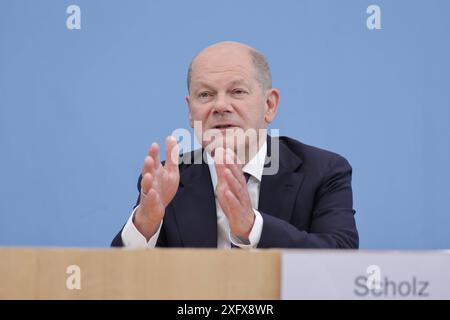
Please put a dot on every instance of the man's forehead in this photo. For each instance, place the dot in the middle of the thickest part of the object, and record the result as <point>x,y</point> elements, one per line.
<point>222,63</point>
<point>223,56</point>
<point>229,69</point>
<point>219,61</point>
<point>223,70</point>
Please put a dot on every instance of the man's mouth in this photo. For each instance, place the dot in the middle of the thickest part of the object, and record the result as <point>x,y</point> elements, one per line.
<point>224,126</point>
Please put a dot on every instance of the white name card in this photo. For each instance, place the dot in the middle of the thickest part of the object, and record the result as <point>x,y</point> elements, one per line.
<point>315,274</point>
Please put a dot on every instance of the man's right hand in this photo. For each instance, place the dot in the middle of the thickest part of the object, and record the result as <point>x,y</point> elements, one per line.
<point>159,185</point>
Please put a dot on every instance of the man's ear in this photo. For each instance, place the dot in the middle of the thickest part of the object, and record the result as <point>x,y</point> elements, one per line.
<point>191,121</point>
<point>272,100</point>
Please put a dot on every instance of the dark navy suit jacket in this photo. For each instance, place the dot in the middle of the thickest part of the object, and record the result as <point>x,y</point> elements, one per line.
<point>307,204</point>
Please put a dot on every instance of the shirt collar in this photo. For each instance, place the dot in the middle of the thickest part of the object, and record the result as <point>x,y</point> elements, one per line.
<point>254,167</point>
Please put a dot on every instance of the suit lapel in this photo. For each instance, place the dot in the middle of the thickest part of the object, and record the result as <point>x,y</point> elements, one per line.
<point>195,207</point>
<point>279,191</point>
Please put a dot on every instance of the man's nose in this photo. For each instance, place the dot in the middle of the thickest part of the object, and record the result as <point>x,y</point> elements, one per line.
<point>222,104</point>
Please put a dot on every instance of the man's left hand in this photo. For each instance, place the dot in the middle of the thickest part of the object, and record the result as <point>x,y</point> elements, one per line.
<point>232,193</point>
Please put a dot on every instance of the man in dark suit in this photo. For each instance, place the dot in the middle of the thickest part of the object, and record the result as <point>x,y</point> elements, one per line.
<point>227,194</point>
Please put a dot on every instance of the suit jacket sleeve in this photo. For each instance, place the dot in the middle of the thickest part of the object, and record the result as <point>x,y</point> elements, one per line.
<point>332,221</point>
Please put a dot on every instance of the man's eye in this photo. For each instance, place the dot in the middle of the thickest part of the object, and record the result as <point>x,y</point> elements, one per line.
<point>204,95</point>
<point>239,92</point>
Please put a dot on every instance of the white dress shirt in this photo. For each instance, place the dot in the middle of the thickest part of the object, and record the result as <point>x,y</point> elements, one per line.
<point>132,238</point>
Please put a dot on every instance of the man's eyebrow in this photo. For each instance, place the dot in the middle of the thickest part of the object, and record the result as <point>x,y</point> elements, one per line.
<point>201,84</point>
<point>239,82</point>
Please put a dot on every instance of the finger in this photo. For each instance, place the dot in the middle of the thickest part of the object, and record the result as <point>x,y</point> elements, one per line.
<point>234,185</point>
<point>171,153</point>
<point>235,169</point>
<point>222,181</point>
<point>234,158</point>
<point>154,153</point>
<point>230,204</point>
<point>220,194</point>
<point>149,166</point>
<point>219,156</point>
<point>146,183</point>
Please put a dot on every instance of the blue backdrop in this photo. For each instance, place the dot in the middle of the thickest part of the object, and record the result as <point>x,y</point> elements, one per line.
<point>80,108</point>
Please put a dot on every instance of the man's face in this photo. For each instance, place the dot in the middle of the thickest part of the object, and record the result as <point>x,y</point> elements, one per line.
<point>225,94</point>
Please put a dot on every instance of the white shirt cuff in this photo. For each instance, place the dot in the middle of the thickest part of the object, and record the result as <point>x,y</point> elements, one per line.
<point>254,236</point>
<point>132,238</point>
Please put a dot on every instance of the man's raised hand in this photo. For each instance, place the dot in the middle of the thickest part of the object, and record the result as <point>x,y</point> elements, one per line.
<point>159,185</point>
<point>232,193</point>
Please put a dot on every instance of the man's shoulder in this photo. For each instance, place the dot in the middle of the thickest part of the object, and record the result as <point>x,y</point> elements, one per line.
<point>312,156</point>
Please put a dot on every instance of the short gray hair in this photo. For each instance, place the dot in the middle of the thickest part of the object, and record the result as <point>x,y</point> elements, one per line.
<point>262,69</point>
